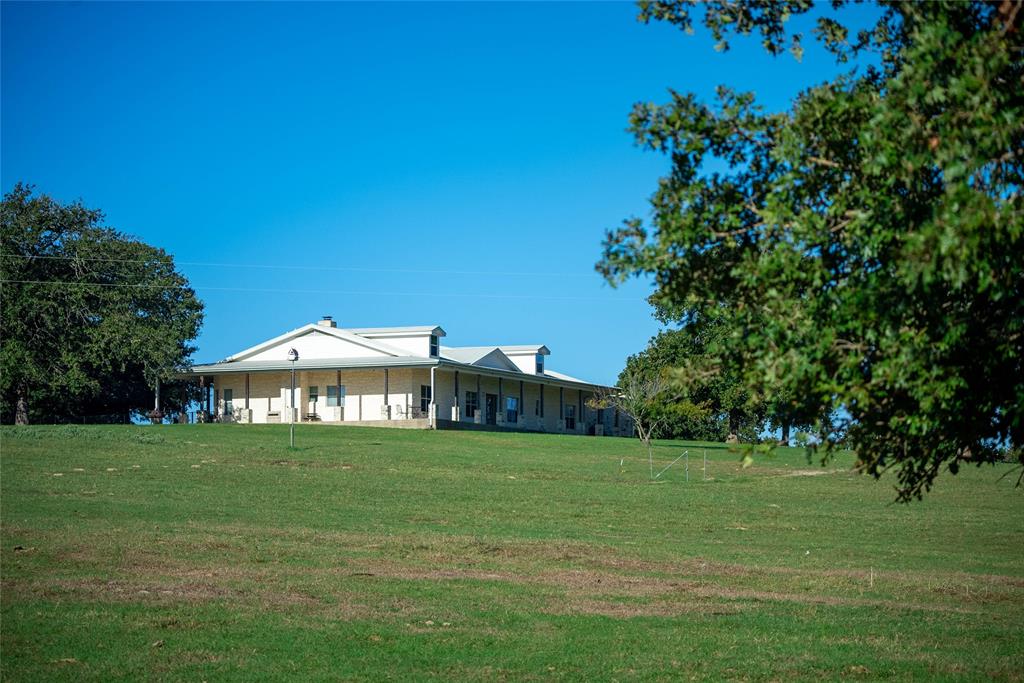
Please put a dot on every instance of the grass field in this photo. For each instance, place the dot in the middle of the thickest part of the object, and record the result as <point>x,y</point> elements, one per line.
<point>213,552</point>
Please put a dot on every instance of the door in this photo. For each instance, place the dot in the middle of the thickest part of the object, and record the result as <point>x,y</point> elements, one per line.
<point>492,409</point>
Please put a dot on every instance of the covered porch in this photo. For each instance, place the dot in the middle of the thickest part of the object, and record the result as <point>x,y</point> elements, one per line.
<point>433,397</point>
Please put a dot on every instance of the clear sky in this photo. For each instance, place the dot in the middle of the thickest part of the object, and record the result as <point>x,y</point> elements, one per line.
<point>387,164</point>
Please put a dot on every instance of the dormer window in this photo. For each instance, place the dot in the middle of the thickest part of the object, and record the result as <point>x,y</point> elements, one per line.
<point>540,364</point>
<point>433,346</point>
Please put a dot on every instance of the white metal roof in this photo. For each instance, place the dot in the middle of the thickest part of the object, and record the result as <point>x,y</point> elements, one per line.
<point>477,355</point>
<point>381,362</point>
<point>397,331</point>
<point>525,349</point>
<point>310,364</point>
<point>560,375</point>
<point>466,354</point>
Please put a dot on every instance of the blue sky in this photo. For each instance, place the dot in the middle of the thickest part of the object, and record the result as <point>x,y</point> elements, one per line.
<point>387,164</point>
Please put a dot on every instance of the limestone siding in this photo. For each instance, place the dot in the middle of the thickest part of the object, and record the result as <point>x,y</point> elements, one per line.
<point>364,399</point>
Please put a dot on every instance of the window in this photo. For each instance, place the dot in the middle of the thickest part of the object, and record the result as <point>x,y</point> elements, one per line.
<point>570,417</point>
<point>472,404</point>
<point>229,404</point>
<point>314,394</point>
<point>433,345</point>
<point>511,409</point>
<point>335,396</point>
<point>540,364</point>
<point>424,398</point>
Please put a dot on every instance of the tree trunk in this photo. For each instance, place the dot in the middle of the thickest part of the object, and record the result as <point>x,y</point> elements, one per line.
<point>784,441</point>
<point>650,458</point>
<point>734,427</point>
<point>21,408</point>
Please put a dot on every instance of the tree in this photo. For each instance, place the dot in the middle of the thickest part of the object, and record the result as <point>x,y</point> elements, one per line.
<point>642,397</point>
<point>91,318</point>
<point>866,247</point>
<point>707,406</point>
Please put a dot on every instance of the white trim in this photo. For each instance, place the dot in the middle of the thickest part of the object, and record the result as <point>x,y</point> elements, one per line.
<point>525,350</point>
<point>396,331</point>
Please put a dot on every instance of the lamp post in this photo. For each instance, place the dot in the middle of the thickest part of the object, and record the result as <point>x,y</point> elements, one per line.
<point>293,356</point>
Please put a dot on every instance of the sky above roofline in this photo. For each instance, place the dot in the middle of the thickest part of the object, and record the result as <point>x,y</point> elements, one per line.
<point>384,163</point>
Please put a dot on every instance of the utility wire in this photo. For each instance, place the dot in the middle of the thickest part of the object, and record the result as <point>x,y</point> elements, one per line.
<point>356,269</point>
<point>321,291</point>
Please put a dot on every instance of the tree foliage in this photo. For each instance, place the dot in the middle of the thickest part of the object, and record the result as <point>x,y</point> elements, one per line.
<point>91,318</point>
<point>707,406</point>
<point>866,247</point>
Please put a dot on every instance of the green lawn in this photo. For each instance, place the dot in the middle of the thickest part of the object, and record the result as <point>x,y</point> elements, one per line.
<point>213,552</point>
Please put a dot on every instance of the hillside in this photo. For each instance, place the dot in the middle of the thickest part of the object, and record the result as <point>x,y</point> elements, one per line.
<point>214,552</point>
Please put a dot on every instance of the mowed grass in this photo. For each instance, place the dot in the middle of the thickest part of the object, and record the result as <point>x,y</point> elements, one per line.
<point>215,552</point>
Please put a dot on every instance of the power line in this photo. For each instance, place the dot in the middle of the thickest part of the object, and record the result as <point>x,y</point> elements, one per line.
<point>482,295</point>
<point>354,269</point>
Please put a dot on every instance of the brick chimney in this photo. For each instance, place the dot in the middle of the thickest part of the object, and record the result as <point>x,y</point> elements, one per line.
<point>327,321</point>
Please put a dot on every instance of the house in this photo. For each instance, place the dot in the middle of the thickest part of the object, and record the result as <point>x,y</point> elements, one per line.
<point>401,377</point>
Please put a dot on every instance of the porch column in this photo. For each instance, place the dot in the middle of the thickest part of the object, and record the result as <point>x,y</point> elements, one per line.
<point>432,406</point>
<point>500,416</point>
<point>387,407</point>
<point>341,399</point>
<point>561,409</point>
<point>288,411</point>
<point>481,404</point>
<point>245,415</point>
<point>521,415</point>
<point>209,399</point>
<point>456,413</point>
<point>579,411</point>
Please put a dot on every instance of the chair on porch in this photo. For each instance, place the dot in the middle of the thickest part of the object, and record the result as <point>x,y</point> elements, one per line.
<point>399,412</point>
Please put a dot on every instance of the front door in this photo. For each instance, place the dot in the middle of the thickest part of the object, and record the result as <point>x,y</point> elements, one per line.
<point>492,409</point>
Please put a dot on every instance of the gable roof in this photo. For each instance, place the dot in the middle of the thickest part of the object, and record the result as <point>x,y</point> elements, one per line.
<point>313,327</point>
<point>484,356</point>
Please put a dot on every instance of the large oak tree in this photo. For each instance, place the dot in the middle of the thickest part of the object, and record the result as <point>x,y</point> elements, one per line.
<point>866,245</point>
<point>91,319</point>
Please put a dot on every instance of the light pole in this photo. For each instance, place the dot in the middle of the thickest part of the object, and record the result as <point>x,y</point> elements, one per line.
<point>293,356</point>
